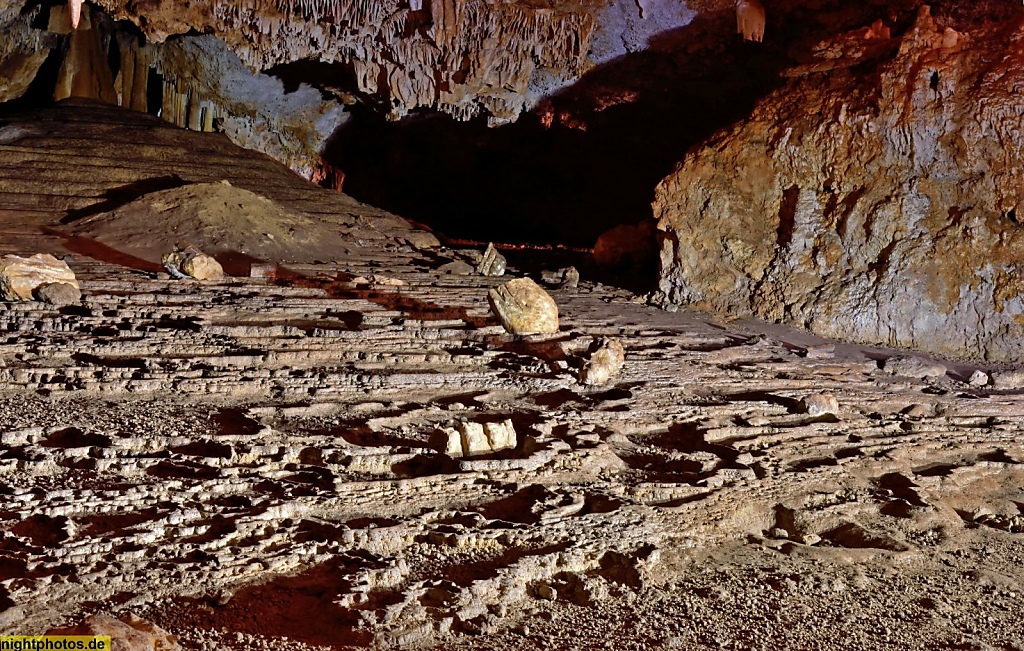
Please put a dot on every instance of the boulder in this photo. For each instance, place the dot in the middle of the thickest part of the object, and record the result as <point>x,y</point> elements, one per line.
<point>524,308</point>
<point>880,205</point>
<point>58,293</point>
<point>21,277</point>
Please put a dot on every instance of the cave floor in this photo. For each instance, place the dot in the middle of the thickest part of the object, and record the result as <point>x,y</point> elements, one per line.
<point>248,463</point>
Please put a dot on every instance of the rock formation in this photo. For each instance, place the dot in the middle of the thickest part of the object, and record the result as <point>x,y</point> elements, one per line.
<point>459,56</point>
<point>878,202</point>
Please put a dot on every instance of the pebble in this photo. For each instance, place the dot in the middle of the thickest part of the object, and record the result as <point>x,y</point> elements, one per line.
<point>564,278</point>
<point>524,308</point>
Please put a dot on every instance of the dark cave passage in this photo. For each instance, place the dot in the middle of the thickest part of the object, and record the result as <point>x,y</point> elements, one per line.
<point>587,159</point>
<point>581,163</point>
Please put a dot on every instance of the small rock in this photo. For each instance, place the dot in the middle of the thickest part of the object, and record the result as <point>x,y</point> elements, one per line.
<point>186,261</point>
<point>376,279</point>
<point>917,367</point>
<point>20,277</point>
<point>819,404</point>
<point>491,263</point>
<point>262,270</point>
<point>58,293</point>
<point>564,278</point>
<point>978,379</point>
<point>1009,379</point>
<point>779,533</point>
<point>545,591</point>
<point>820,351</point>
<point>604,362</point>
<point>130,633</point>
<point>524,308</point>
<point>810,539</point>
<point>457,268</point>
<point>917,411</point>
<point>421,240</point>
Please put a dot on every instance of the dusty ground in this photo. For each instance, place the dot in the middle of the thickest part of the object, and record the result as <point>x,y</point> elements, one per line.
<point>247,461</point>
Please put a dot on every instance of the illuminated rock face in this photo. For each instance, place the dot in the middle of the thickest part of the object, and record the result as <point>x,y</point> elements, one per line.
<point>875,204</point>
<point>460,56</point>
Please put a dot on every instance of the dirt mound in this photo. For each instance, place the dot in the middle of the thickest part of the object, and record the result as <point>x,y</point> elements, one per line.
<point>233,225</point>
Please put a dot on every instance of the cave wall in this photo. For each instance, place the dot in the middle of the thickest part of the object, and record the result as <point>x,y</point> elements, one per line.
<point>873,198</point>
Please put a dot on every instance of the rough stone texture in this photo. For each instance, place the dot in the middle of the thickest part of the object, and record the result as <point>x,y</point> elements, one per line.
<point>247,464</point>
<point>20,277</point>
<point>877,205</point>
<point>460,56</point>
<point>524,308</point>
<point>22,51</point>
<point>604,362</point>
<point>128,633</point>
<point>491,262</point>
<point>58,293</point>
<point>819,404</point>
<point>192,263</point>
<point>206,87</point>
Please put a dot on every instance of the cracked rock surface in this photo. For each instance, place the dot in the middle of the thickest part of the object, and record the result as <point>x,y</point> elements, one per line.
<point>248,463</point>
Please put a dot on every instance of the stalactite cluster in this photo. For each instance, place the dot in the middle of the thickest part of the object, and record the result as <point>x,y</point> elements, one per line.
<point>459,56</point>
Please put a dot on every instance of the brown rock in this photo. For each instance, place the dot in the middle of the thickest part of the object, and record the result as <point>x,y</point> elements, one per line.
<point>58,293</point>
<point>524,308</point>
<point>20,277</point>
<point>879,206</point>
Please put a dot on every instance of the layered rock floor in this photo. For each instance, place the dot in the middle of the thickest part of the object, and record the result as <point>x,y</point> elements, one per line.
<point>249,464</point>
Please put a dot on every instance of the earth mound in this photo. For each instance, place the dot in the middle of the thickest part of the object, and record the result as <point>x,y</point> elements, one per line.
<point>235,226</point>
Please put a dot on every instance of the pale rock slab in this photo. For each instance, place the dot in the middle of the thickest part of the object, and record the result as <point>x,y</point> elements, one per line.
<point>917,367</point>
<point>524,308</point>
<point>21,277</point>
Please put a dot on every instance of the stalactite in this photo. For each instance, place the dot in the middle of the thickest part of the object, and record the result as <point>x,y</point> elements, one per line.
<point>374,36</point>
